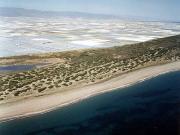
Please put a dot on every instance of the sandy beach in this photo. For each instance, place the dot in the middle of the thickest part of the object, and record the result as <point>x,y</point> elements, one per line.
<point>42,104</point>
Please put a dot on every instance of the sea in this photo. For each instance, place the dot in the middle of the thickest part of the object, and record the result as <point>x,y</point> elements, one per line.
<point>151,107</point>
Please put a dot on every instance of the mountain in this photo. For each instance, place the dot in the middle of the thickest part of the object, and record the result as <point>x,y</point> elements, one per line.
<point>21,12</point>
<point>17,12</point>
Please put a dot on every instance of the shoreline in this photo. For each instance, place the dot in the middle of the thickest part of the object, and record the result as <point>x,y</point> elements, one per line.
<point>39,105</point>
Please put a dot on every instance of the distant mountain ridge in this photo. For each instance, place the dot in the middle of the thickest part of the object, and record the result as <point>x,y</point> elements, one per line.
<point>17,12</point>
<point>21,12</point>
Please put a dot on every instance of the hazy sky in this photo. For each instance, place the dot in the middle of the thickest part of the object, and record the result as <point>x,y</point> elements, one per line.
<point>155,9</point>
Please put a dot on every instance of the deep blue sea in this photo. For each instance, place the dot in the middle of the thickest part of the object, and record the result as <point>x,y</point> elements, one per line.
<point>151,107</point>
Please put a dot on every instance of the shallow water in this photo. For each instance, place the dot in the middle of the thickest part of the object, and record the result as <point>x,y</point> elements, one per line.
<point>148,108</point>
<point>11,68</point>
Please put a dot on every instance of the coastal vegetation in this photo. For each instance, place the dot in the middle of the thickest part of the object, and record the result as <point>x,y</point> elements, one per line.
<point>66,70</point>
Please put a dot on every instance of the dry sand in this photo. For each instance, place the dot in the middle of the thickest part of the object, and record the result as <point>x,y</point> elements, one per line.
<point>42,104</point>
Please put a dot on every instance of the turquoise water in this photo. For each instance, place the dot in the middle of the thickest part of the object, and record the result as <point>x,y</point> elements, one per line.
<point>148,108</point>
